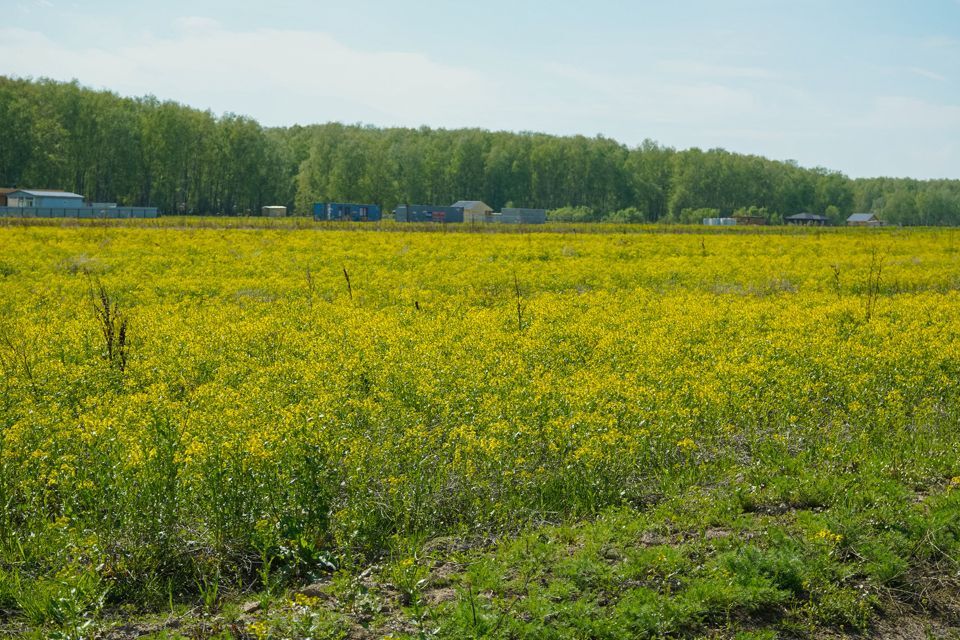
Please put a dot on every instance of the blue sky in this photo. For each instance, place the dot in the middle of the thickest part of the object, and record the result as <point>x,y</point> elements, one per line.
<point>867,88</point>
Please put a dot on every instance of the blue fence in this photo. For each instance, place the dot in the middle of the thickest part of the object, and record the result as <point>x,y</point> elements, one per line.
<point>427,213</point>
<point>79,212</point>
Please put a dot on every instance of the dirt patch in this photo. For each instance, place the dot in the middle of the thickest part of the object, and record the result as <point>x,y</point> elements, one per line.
<point>650,539</point>
<point>444,573</point>
<point>433,597</point>
<point>717,533</point>
<point>771,509</point>
<point>914,627</point>
<point>128,630</point>
<point>448,545</point>
<point>356,632</point>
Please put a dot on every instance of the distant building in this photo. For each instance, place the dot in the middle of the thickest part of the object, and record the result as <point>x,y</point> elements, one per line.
<point>864,220</point>
<point>807,219</point>
<point>46,203</point>
<point>42,198</point>
<point>273,211</point>
<point>457,213</point>
<point>346,211</point>
<point>427,213</point>
<point>474,210</point>
<point>720,222</point>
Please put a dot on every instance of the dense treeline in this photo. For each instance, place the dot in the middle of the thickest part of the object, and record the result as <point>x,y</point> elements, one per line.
<point>138,151</point>
<point>146,152</point>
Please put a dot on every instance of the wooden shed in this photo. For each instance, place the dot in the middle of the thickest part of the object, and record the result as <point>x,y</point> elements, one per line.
<point>863,220</point>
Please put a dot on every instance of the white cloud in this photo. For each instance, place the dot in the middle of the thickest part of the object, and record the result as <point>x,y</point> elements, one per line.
<point>28,7</point>
<point>198,23</point>
<point>706,70</point>
<point>940,42</point>
<point>651,98</point>
<point>902,112</point>
<point>751,103</point>
<point>278,76</point>
<point>287,76</point>
<point>927,73</point>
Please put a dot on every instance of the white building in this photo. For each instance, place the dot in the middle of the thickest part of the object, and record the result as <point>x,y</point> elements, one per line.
<point>43,198</point>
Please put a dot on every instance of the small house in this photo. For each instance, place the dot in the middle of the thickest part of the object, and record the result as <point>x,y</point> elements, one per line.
<point>346,211</point>
<point>863,220</point>
<point>3,196</point>
<point>44,199</point>
<point>748,220</point>
<point>807,219</point>
<point>273,211</point>
<point>474,210</point>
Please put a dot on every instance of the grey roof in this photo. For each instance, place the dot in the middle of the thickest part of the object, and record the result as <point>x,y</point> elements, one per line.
<point>806,216</point>
<point>469,204</point>
<point>861,217</point>
<point>48,193</point>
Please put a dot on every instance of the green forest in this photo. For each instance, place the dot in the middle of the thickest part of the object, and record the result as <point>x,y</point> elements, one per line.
<point>148,152</point>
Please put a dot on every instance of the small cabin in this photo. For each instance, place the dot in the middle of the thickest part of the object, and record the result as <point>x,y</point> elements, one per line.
<point>864,220</point>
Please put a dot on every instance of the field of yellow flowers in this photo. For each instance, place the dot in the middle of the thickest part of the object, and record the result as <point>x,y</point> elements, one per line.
<point>616,434</point>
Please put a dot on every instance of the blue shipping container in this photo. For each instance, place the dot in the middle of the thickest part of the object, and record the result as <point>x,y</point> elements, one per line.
<point>346,211</point>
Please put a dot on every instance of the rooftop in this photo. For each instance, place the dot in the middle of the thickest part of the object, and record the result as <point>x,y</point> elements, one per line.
<point>48,193</point>
<point>806,216</point>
